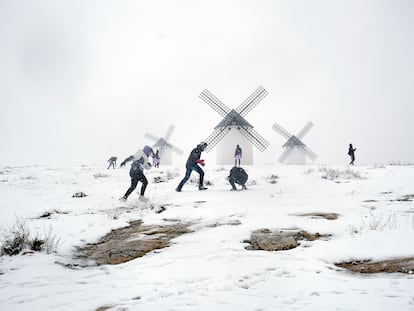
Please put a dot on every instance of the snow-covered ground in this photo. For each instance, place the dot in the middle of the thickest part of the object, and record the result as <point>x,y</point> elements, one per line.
<point>210,269</point>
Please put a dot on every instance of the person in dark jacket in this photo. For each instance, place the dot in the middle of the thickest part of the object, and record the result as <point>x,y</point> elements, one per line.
<point>351,153</point>
<point>238,176</point>
<point>193,165</point>
<point>237,155</point>
<point>112,162</point>
<point>139,163</point>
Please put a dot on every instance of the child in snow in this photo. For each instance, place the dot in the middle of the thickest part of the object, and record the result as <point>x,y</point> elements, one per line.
<point>112,162</point>
<point>239,176</point>
<point>237,155</point>
<point>192,165</point>
<point>140,162</point>
<point>351,153</point>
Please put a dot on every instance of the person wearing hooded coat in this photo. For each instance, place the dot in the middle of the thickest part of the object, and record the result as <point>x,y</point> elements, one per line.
<point>192,164</point>
<point>139,163</point>
<point>237,176</point>
<point>112,162</point>
<point>351,153</point>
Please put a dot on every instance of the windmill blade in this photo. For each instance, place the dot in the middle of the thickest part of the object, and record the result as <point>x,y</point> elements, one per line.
<point>311,155</point>
<point>281,131</point>
<point>171,147</point>
<point>174,148</point>
<point>215,137</point>
<point>163,144</point>
<point>250,102</point>
<point>305,130</point>
<point>254,137</point>
<point>285,154</point>
<point>170,130</point>
<point>214,103</point>
<point>151,136</point>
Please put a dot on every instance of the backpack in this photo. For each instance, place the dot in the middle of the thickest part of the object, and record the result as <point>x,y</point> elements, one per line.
<point>239,175</point>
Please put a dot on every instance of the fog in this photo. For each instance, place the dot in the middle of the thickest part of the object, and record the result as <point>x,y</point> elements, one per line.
<point>84,80</point>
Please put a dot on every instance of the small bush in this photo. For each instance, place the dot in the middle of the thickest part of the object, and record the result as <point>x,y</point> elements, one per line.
<point>17,238</point>
<point>332,174</point>
<point>48,242</point>
<point>171,175</point>
<point>273,179</point>
<point>79,194</point>
<point>374,222</point>
<point>100,175</point>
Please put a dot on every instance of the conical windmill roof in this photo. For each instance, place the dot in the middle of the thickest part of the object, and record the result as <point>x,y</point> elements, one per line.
<point>293,141</point>
<point>233,118</point>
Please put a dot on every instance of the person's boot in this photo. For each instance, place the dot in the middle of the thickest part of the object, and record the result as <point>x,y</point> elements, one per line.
<point>201,187</point>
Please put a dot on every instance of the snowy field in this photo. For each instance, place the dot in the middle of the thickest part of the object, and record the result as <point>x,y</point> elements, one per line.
<point>210,269</point>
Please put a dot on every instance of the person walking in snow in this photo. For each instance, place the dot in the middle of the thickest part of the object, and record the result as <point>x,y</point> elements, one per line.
<point>237,155</point>
<point>156,159</point>
<point>193,165</point>
<point>139,163</point>
<point>112,162</point>
<point>351,153</point>
<point>237,176</point>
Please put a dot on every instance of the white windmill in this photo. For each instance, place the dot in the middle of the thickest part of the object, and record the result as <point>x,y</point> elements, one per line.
<point>235,129</point>
<point>295,150</point>
<point>164,146</point>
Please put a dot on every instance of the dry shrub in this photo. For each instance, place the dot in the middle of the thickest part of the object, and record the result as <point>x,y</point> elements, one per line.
<point>17,238</point>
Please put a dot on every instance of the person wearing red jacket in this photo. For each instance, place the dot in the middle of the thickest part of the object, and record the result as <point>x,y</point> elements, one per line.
<point>192,164</point>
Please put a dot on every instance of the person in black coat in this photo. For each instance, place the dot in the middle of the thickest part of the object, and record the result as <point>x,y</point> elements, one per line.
<point>237,176</point>
<point>193,165</point>
<point>351,153</point>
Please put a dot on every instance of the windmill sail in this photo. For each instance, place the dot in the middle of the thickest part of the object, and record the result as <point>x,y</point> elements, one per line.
<point>164,145</point>
<point>233,120</point>
<point>250,102</point>
<point>258,141</point>
<point>295,149</point>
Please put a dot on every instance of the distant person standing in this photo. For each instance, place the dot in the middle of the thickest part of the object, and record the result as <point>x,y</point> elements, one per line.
<point>139,163</point>
<point>237,155</point>
<point>351,153</point>
<point>156,159</point>
<point>193,165</point>
<point>112,162</point>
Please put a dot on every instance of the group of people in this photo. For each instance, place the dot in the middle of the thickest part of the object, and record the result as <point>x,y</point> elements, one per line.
<point>140,162</point>
<point>155,160</point>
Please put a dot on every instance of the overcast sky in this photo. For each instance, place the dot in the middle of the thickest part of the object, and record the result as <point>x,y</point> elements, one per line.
<point>84,80</point>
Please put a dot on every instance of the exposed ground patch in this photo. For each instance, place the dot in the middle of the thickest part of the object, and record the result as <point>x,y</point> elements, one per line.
<point>400,265</point>
<point>328,216</point>
<point>128,243</point>
<point>282,239</point>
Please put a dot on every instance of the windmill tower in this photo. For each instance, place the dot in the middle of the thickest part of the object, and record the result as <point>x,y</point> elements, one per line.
<point>295,150</point>
<point>234,129</point>
<point>164,146</point>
